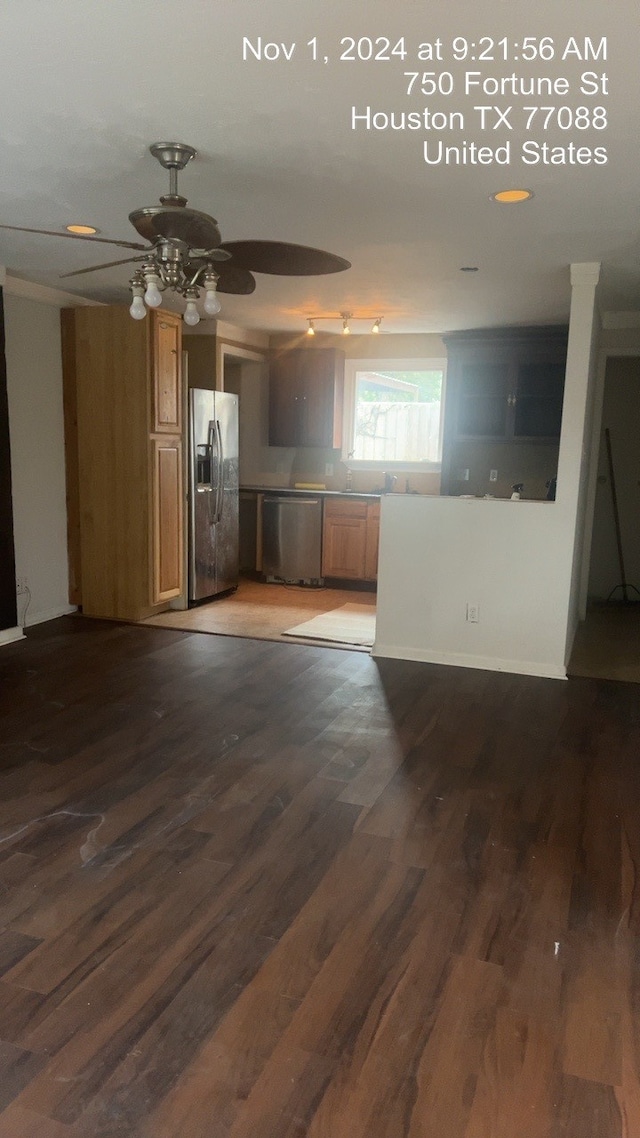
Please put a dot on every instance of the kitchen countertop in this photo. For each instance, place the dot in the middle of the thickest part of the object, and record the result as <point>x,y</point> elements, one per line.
<point>309,493</point>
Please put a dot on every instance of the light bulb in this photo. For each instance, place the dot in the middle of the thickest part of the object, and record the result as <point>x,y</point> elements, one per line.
<point>152,295</point>
<point>345,328</point>
<point>211,302</point>
<point>191,314</point>
<point>376,327</point>
<point>137,309</point>
<point>311,331</point>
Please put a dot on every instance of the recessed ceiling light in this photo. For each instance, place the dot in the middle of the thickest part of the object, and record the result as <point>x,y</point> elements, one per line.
<point>511,196</point>
<point>83,230</point>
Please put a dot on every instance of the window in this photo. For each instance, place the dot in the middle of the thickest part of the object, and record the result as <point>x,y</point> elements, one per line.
<point>393,413</point>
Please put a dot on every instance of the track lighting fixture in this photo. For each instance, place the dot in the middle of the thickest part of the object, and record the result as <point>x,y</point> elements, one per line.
<point>347,320</point>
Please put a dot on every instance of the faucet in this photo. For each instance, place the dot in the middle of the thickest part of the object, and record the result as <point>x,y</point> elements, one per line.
<point>349,480</point>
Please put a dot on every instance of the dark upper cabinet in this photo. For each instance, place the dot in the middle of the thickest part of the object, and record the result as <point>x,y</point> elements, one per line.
<point>306,392</point>
<point>503,385</point>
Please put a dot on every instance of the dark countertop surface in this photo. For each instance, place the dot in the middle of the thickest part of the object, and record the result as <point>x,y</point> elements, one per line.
<point>307,493</point>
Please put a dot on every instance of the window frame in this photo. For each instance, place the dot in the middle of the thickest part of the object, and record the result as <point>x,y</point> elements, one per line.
<point>351,368</point>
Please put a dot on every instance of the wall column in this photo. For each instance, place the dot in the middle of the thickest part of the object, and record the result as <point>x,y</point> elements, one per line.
<point>573,466</point>
<point>8,601</point>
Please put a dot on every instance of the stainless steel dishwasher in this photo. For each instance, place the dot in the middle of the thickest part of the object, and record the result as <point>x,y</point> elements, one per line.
<point>292,539</point>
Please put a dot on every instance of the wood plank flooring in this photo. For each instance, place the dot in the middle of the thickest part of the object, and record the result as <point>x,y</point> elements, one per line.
<point>263,890</point>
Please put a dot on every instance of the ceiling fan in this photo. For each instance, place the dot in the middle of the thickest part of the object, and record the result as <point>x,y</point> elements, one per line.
<point>185,251</point>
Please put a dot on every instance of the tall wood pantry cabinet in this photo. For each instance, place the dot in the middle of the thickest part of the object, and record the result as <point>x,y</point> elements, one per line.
<point>123,434</point>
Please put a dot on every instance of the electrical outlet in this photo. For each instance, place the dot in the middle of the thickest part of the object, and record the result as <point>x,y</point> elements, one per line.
<point>473,613</point>
<point>463,475</point>
<point>493,475</point>
<point>21,585</point>
<point>328,469</point>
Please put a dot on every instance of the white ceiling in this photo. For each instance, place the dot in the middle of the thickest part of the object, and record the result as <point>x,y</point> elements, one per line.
<point>87,85</point>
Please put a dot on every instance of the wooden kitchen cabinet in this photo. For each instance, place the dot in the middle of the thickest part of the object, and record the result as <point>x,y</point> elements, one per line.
<point>372,542</point>
<point>350,539</point>
<point>306,392</point>
<point>166,499</point>
<point>123,412</point>
<point>165,363</point>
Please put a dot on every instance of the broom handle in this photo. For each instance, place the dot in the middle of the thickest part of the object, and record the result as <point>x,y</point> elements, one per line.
<point>616,515</point>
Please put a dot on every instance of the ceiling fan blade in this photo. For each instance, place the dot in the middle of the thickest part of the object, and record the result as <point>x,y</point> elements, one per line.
<point>231,278</point>
<point>282,259</point>
<point>234,279</point>
<point>106,265</point>
<point>74,236</point>
<point>188,225</point>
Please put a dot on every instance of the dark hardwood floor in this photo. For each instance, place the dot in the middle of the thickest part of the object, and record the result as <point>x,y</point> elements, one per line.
<point>266,891</point>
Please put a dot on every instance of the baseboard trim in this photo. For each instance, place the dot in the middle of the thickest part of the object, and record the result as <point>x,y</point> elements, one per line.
<point>51,614</point>
<point>10,635</point>
<point>461,660</point>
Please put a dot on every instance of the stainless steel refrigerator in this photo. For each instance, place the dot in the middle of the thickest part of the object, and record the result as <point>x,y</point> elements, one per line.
<point>213,493</point>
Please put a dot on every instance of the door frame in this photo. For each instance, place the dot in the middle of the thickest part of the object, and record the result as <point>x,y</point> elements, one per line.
<point>618,337</point>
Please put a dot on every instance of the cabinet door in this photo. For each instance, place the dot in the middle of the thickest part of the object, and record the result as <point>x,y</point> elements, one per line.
<point>344,539</point>
<point>166,365</point>
<point>484,399</point>
<point>322,391</point>
<point>285,401</point>
<point>166,493</point>
<point>372,542</point>
<point>538,398</point>
<point>306,388</point>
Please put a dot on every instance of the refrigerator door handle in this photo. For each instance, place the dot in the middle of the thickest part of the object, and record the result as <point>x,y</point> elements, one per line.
<point>213,475</point>
<point>219,494</point>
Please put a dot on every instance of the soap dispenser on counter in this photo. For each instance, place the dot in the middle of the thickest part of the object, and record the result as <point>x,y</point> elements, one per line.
<point>516,491</point>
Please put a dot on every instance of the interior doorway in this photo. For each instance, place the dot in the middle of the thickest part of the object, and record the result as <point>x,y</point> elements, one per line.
<point>256,609</point>
<point>607,644</point>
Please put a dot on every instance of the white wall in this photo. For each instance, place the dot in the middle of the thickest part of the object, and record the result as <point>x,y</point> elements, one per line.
<point>248,380</point>
<point>518,561</point>
<point>576,460</point>
<point>438,554</point>
<point>34,381</point>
